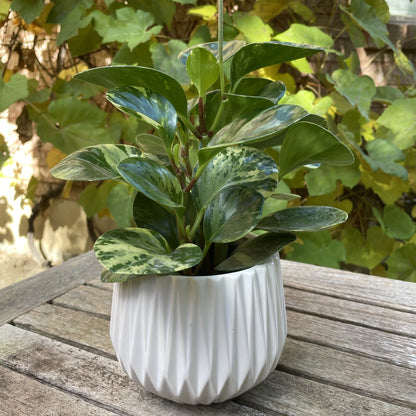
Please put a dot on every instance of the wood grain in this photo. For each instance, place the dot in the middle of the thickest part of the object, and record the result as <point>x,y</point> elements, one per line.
<point>29,293</point>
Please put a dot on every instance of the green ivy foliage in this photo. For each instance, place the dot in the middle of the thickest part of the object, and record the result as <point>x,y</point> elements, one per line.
<point>377,122</point>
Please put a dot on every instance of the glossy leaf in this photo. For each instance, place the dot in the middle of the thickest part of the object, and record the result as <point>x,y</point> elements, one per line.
<point>141,251</point>
<point>203,69</point>
<point>149,214</point>
<point>307,143</point>
<point>148,106</point>
<point>149,143</point>
<point>235,166</point>
<point>153,180</point>
<point>137,76</point>
<point>306,218</point>
<point>232,213</point>
<point>245,131</point>
<point>255,251</point>
<point>94,163</point>
<point>119,203</point>
<point>259,55</point>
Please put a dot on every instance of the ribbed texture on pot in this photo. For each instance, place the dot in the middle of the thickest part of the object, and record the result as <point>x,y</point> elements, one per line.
<point>200,339</point>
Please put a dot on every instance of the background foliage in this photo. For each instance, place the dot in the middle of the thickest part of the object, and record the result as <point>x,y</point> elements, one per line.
<point>45,43</point>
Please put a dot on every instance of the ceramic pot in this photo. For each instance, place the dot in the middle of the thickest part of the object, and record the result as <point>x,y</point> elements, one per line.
<point>203,339</point>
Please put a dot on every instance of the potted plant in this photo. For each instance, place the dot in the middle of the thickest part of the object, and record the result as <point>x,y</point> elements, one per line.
<point>198,312</point>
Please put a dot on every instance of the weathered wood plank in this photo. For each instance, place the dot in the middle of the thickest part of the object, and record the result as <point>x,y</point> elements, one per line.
<point>98,283</point>
<point>371,343</point>
<point>296,396</point>
<point>75,327</point>
<point>87,298</point>
<point>395,294</point>
<point>383,381</point>
<point>24,396</point>
<point>93,377</point>
<point>376,317</point>
<point>29,293</point>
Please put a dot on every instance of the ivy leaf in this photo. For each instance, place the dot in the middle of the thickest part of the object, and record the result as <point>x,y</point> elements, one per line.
<point>29,10</point>
<point>165,59</point>
<point>358,90</point>
<point>307,100</point>
<point>305,218</point>
<point>232,213</point>
<point>384,155</point>
<point>71,23</point>
<point>259,55</point>
<point>148,106</point>
<point>369,252</point>
<point>141,251</point>
<point>70,123</point>
<point>137,76</point>
<point>402,263</point>
<point>14,90</point>
<point>235,166</point>
<point>252,27</point>
<point>318,248</point>
<point>94,163</point>
<point>149,214</point>
<point>153,180</point>
<point>308,35</point>
<point>131,26</point>
<point>400,119</point>
<point>255,251</point>
<point>307,143</point>
<point>203,69</point>
<point>397,223</point>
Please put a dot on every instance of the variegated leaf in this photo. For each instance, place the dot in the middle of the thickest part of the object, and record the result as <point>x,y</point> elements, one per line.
<point>232,214</point>
<point>153,180</point>
<point>255,251</point>
<point>148,106</point>
<point>306,218</point>
<point>94,163</point>
<point>235,166</point>
<point>142,251</point>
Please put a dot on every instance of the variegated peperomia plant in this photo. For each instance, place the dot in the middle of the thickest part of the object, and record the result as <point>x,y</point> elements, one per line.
<point>202,177</point>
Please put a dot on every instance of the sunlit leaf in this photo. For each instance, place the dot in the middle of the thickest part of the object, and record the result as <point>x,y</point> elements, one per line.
<point>15,89</point>
<point>94,162</point>
<point>252,27</point>
<point>308,35</point>
<point>141,251</point>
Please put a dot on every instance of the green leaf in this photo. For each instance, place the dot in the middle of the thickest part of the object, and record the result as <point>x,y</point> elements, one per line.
<point>307,100</point>
<point>365,16</point>
<point>398,224</point>
<point>29,10</point>
<point>252,27</point>
<point>93,198</point>
<point>259,55</point>
<point>305,218</point>
<point>235,166</point>
<point>14,90</point>
<point>358,90</point>
<point>148,106</point>
<point>308,35</point>
<point>94,163</point>
<point>140,251</point>
<point>232,213</point>
<point>153,180</point>
<point>149,214</point>
<point>268,124</point>
<point>307,143</point>
<point>136,76</point>
<point>71,124</point>
<point>203,69</point>
<point>85,41</point>
<point>119,203</point>
<point>165,59</point>
<point>387,94</point>
<point>318,248</point>
<point>400,119</point>
<point>255,251</point>
<point>384,155</point>
<point>139,56</point>
<point>368,252</point>
<point>402,263</point>
<point>62,8</point>
<point>148,143</point>
<point>131,26</point>
<point>71,23</point>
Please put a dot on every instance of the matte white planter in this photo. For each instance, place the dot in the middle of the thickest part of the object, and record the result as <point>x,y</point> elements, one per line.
<point>200,339</point>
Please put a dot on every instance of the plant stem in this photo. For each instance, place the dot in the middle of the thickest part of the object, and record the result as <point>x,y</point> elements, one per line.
<point>220,43</point>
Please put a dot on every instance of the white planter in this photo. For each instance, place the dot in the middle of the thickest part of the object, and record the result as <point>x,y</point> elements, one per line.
<point>200,339</point>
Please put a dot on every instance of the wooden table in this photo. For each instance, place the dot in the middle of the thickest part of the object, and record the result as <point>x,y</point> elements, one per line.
<point>351,349</point>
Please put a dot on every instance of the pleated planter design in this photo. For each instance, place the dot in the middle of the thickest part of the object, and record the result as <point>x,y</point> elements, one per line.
<point>202,339</point>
